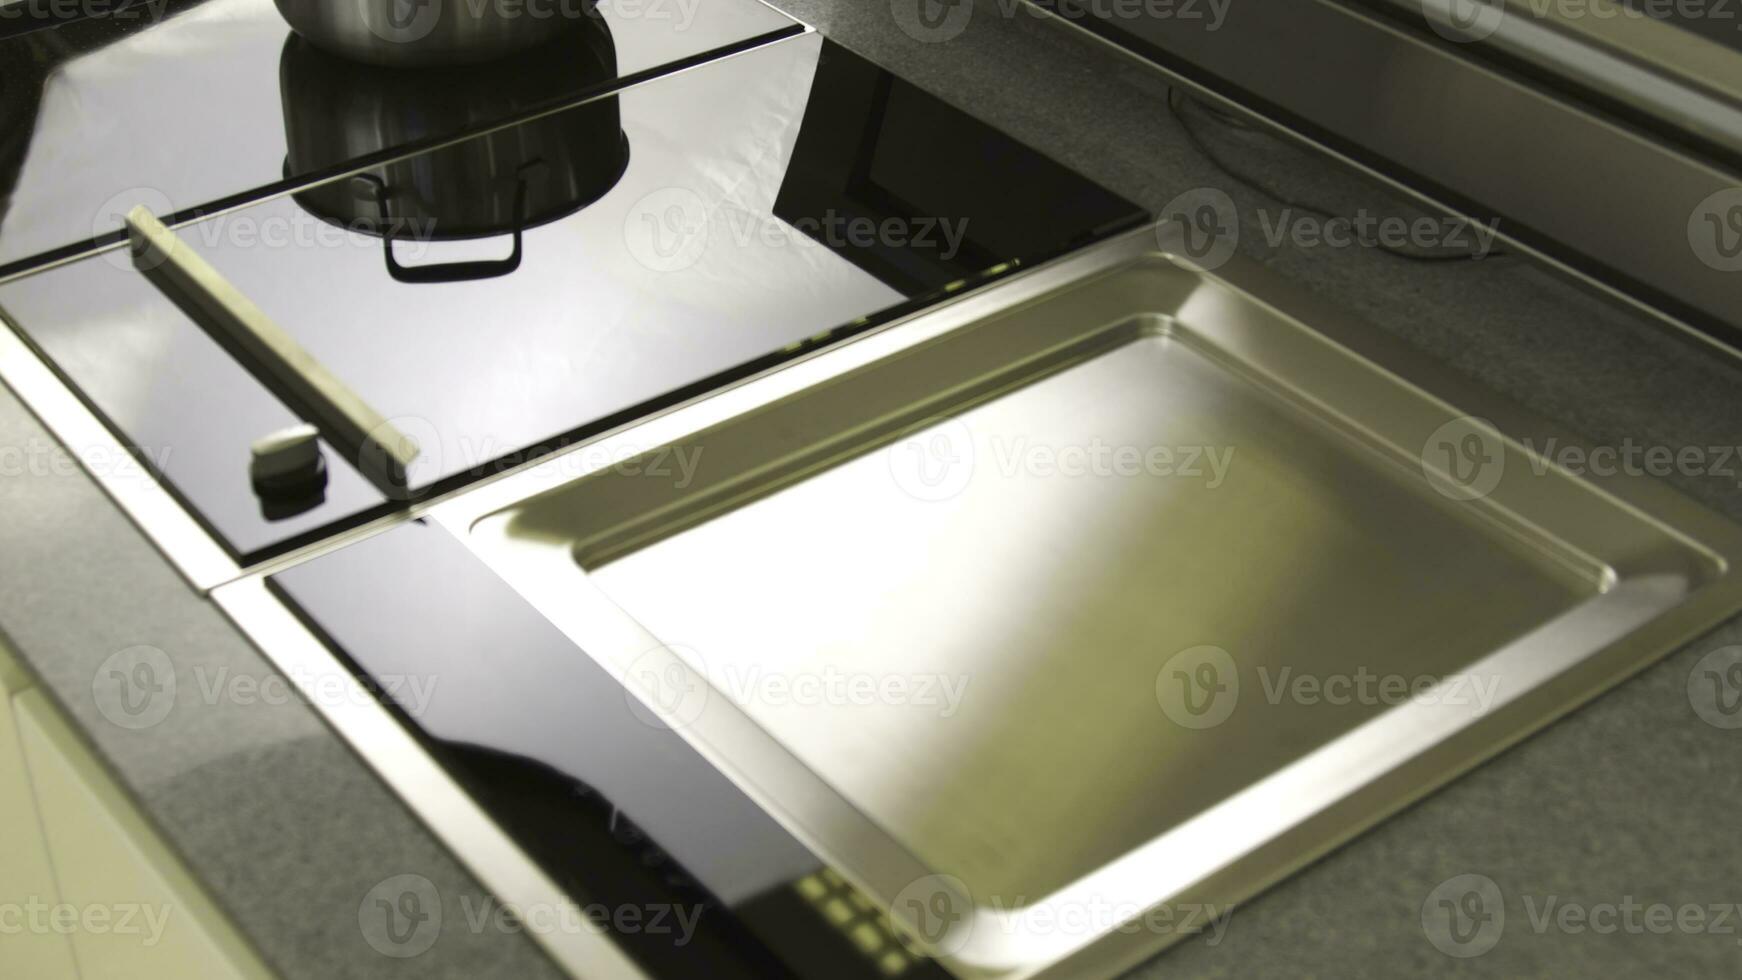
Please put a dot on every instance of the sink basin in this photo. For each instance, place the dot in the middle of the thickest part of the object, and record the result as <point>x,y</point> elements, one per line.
<point>1044,610</point>
<point>1126,586</point>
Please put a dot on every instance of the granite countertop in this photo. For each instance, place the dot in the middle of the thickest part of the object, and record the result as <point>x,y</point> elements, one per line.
<point>1628,802</point>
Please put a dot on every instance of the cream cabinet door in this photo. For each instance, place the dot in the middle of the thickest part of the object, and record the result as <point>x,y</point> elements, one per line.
<point>139,915</point>
<point>29,944</point>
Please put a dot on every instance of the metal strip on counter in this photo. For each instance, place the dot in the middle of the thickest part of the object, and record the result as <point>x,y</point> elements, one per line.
<point>1615,207</point>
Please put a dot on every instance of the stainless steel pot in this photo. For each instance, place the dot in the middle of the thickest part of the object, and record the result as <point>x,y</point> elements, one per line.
<point>499,183</point>
<point>432,32</point>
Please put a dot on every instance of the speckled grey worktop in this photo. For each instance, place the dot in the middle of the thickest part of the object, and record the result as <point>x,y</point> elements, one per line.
<point>1633,799</point>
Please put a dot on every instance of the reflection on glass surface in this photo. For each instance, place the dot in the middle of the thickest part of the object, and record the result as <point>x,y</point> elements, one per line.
<point>498,184</point>
<point>771,201</point>
<point>618,811</point>
<point>875,151</point>
<point>99,115</point>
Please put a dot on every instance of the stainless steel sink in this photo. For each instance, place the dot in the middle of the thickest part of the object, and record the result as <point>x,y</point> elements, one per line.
<point>1125,586</point>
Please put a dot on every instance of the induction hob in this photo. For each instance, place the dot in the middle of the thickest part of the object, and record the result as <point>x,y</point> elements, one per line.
<point>618,810</point>
<point>181,104</point>
<point>674,236</point>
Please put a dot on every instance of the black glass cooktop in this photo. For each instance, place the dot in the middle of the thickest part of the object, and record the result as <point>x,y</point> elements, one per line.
<point>510,293</point>
<point>619,811</point>
<point>185,104</point>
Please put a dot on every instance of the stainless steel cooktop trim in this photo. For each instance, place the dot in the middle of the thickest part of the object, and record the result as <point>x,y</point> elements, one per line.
<point>194,553</point>
<point>1672,166</point>
<point>1637,59</point>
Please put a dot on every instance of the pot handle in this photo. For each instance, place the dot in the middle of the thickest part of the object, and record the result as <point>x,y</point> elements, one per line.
<point>468,271</point>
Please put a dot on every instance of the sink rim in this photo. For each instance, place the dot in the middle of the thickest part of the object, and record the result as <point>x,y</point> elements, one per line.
<point>1666,615</point>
